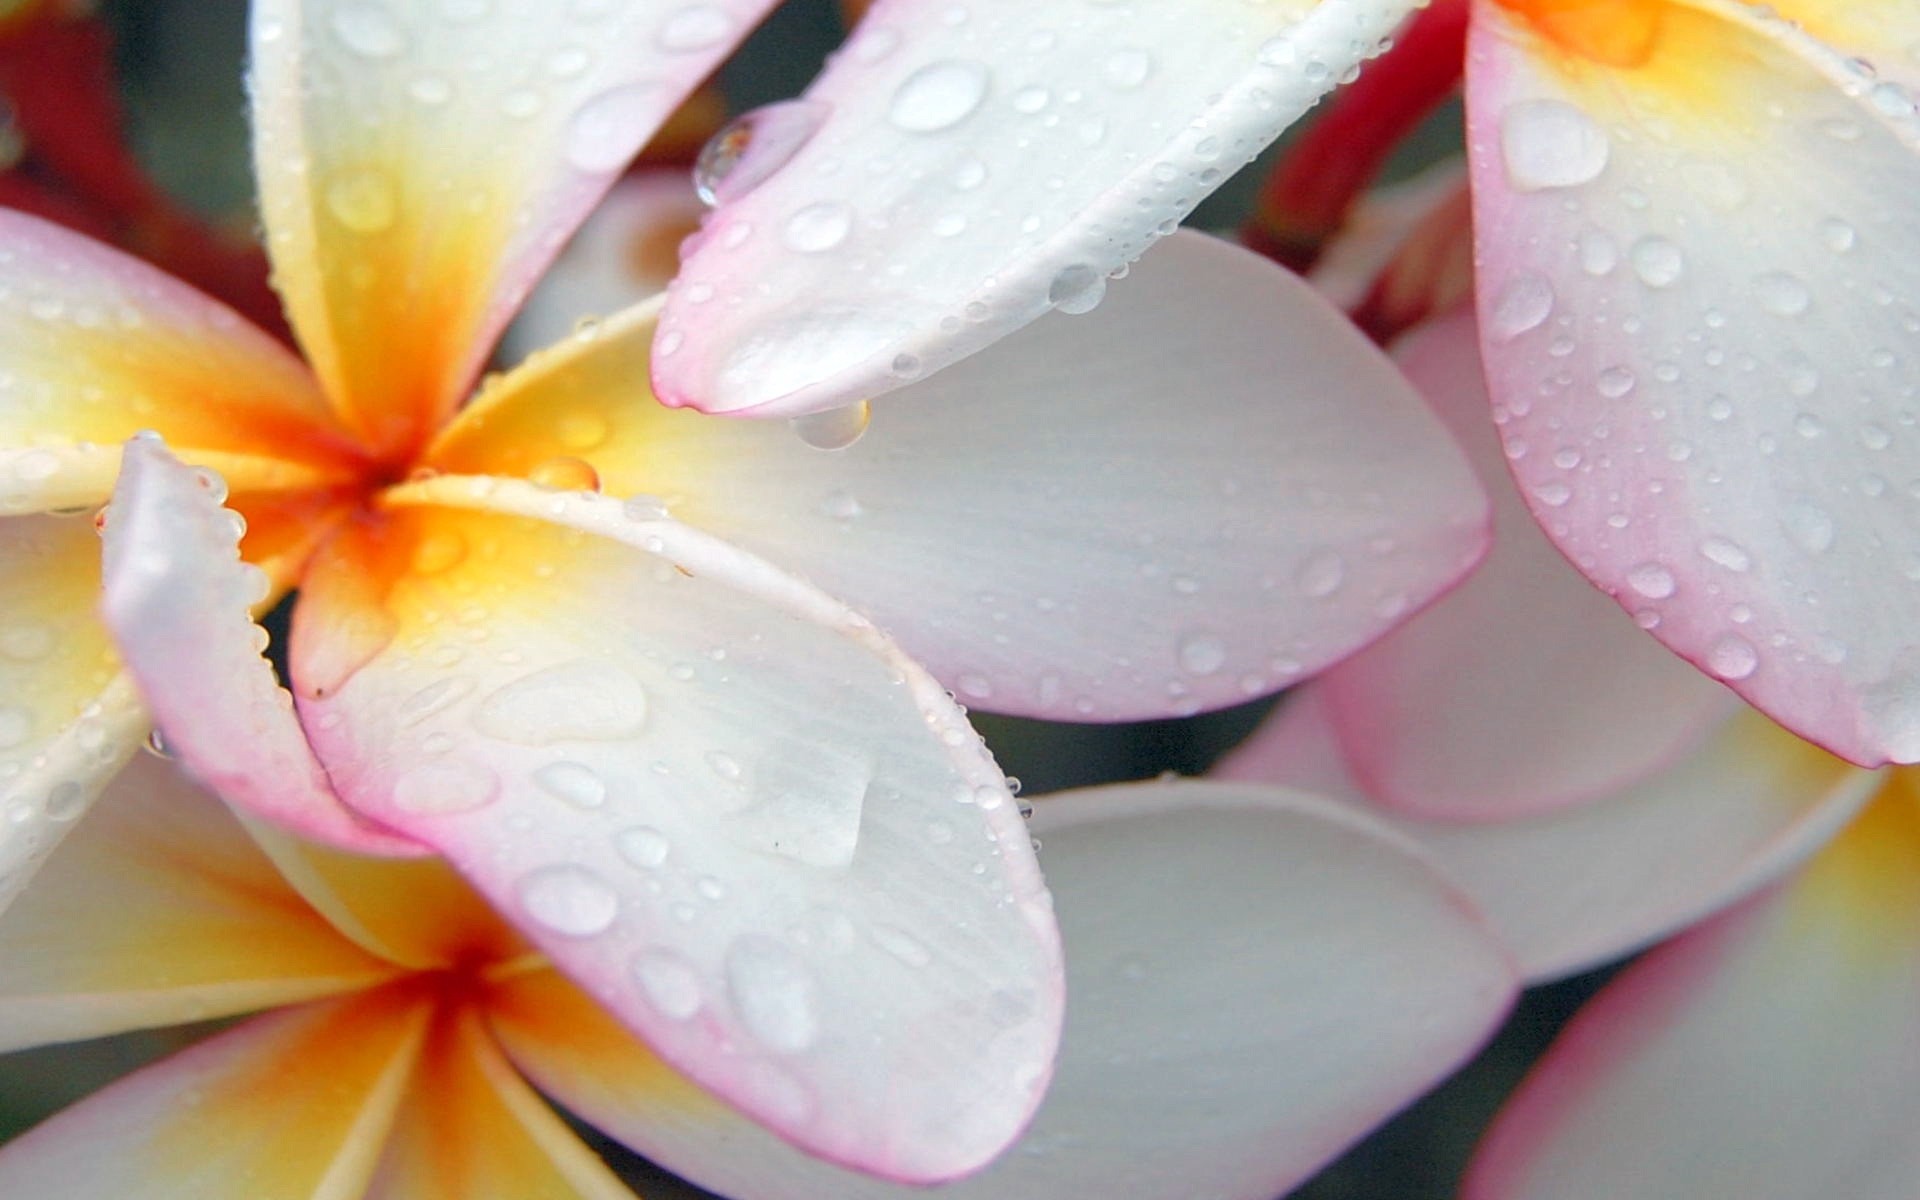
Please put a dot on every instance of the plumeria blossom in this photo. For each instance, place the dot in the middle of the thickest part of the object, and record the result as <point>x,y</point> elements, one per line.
<point>1767,1051</point>
<point>543,633</point>
<point>1225,1039</point>
<point>1700,293</point>
<point>1697,273</point>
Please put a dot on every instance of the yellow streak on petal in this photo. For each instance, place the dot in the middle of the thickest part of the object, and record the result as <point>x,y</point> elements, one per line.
<point>1866,883</point>
<point>1658,57</point>
<point>1618,33</point>
<point>307,1113</point>
<point>473,1130</point>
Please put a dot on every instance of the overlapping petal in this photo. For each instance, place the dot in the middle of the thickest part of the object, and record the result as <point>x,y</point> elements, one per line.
<point>177,598</point>
<point>1202,491</point>
<point>1255,980</point>
<point>1772,1054</point>
<point>1579,887</point>
<point>295,1103</point>
<point>1573,704</point>
<point>1701,349</point>
<point>472,1130</point>
<point>418,166</point>
<point>745,822</point>
<point>158,910</point>
<point>972,169</point>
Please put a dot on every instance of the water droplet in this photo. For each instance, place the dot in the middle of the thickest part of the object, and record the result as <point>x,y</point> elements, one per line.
<point>695,27</point>
<point>1522,305</point>
<point>1551,144</point>
<point>363,201</point>
<point>1321,574</point>
<point>439,550</point>
<point>1732,657</point>
<point>26,642</point>
<point>773,993</point>
<point>575,783</point>
<point>367,31</point>
<point>1726,553</point>
<point>1811,527</point>
<point>834,429</point>
<point>1202,653</point>
<point>1126,69</point>
<point>442,788</point>
<point>1076,288</point>
<point>582,430</point>
<point>587,700</point>
<point>1656,261</point>
<point>564,473</point>
<point>1652,580</point>
<point>938,96</point>
<point>16,726</point>
<point>643,846</point>
<point>607,129</point>
<point>818,228</point>
<point>669,983</point>
<point>1614,382</point>
<point>1782,294</point>
<point>1838,235</point>
<point>751,147</point>
<point>725,765</point>
<point>902,945</point>
<point>569,900</point>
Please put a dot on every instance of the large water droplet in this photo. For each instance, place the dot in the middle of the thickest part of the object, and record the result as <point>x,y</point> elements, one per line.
<point>1657,262</point>
<point>643,846</point>
<point>1732,657</point>
<point>575,783</point>
<point>1076,288</point>
<point>695,27</point>
<point>938,96</point>
<point>587,699</point>
<point>773,993</point>
<point>1782,294</point>
<point>442,788</point>
<point>1551,144</point>
<point>569,900</point>
<point>1726,553</point>
<point>608,128</point>
<point>367,31</point>
<point>751,147</point>
<point>818,228</point>
<point>834,429</point>
<point>669,983</point>
<point>363,201</point>
<point>1126,69</point>
<point>1652,580</point>
<point>1521,305</point>
<point>1202,653</point>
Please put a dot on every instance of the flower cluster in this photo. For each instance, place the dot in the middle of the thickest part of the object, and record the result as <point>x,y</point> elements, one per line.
<point>617,746</point>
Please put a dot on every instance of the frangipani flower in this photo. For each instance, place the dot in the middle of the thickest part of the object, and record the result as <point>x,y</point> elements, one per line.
<point>1700,296</point>
<point>1769,1051</point>
<point>667,758</point>
<point>1256,977</point>
<point>1697,272</point>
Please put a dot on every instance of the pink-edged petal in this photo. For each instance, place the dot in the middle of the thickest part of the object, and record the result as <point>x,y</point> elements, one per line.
<point>69,717</point>
<point>628,249</point>
<point>157,910</point>
<point>1773,1054</point>
<point>177,598</point>
<point>473,1130</point>
<point>1700,295</point>
<point>969,175</point>
<point>1255,980</point>
<point>294,1104</point>
<point>419,165</point>
<point>1572,889</point>
<point>723,802</point>
<point>1204,490</point>
<point>1523,689</point>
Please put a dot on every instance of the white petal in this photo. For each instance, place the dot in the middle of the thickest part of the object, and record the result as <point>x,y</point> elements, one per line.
<point>970,174</point>
<point>724,803</point>
<point>1255,979</point>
